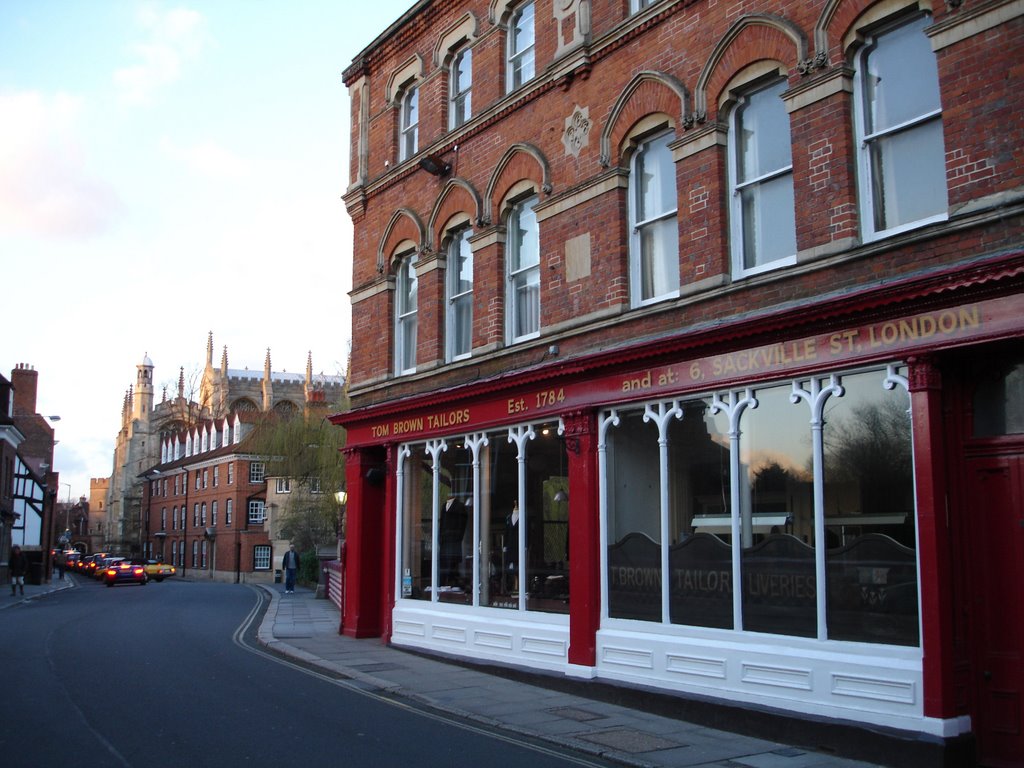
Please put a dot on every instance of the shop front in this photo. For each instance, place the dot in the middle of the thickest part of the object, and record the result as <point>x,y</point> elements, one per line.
<point>749,513</point>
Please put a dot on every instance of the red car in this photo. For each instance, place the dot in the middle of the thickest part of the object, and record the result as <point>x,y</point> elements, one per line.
<point>123,572</point>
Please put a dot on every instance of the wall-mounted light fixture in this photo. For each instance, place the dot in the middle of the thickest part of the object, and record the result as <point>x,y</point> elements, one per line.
<point>435,166</point>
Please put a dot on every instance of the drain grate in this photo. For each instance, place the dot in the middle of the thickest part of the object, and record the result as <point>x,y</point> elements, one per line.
<point>633,742</point>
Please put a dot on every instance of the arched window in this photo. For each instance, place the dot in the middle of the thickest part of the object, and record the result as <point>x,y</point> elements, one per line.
<point>523,272</point>
<point>761,178</point>
<point>654,240</point>
<point>899,130</point>
<point>520,47</point>
<point>459,317</point>
<point>461,88</point>
<point>406,316</point>
<point>408,123</point>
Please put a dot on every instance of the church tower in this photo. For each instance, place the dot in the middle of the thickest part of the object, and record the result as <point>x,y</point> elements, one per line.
<point>142,402</point>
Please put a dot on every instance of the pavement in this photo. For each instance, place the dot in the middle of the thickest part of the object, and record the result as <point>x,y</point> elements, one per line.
<point>304,628</point>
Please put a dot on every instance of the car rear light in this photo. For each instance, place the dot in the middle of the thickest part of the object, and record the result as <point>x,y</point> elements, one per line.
<point>137,571</point>
<point>111,572</point>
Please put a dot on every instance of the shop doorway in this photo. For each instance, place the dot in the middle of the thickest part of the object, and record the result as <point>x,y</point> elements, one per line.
<point>995,489</point>
<point>993,501</point>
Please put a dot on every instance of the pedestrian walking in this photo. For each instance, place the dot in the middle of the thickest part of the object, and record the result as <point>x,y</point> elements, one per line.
<point>290,563</point>
<point>18,565</point>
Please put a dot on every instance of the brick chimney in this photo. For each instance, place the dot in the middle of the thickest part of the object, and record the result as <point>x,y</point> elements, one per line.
<point>25,380</point>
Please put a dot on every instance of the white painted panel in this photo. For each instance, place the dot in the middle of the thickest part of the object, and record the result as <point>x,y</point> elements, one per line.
<point>544,646</point>
<point>901,691</point>
<point>493,640</point>
<point>695,665</point>
<point>628,657</point>
<point>414,628</point>
<point>448,634</point>
<point>780,677</point>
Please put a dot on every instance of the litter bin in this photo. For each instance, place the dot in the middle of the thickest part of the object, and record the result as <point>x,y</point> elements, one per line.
<point>277,576</point>
<point>35,573</point>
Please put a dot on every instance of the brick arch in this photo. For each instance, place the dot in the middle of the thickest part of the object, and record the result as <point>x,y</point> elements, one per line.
<point>749,39</point>
<point>520,161</point>
<point>647,93</point>
<point>838,17</point>
<point>404,225</point>
<point>457,196</point>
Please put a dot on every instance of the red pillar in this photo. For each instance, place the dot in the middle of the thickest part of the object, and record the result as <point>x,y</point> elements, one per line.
<point>934,543</point>
<point>584,538</point>
<point>365,481</point>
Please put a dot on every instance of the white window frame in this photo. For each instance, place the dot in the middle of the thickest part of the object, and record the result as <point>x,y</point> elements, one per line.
<point>520,63</point>
<point>650,219</point>
<point>460,88</point>
<point>283,485</point>
<point>738,186</point>
<point>406,314</point>
<point>229,505</point>
<point>163,518</point>
<point>459,252</point>
<point>261,556</point>
<point>257,511</point>
<point>257,472</point>
<point>868,179</point>
<point>213,513</point>
<point>517,276</point>
<point>409,122</point>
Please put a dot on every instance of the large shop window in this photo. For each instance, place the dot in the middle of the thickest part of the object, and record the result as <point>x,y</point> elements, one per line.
<point>503,494</point>
<point>903,169</point>
<point>802,493</point>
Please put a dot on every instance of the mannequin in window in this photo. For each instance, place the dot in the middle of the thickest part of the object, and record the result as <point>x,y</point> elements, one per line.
<point>451,531</point>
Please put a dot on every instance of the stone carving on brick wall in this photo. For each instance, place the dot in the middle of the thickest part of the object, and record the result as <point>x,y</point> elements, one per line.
<point>578,11</point>
<point>577,131</point>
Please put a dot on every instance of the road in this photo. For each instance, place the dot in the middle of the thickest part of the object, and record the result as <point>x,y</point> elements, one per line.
<point>169,674</point>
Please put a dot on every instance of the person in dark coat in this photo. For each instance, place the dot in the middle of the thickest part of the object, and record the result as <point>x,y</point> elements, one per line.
<point>18,565</point>
<point>290,564</point>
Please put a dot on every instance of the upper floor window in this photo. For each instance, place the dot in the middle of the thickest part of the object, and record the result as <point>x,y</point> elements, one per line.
<point>460,296</point>
<point>899,130</point>
<point>523,269</point>
<point>520,46</point>
<point>761,176</point>
<point>257,511</point>
<point>216,475</point>
<point>408,124</point>
<point>654,239</point>
<point>257,472</point>
<point>406,316</point>
<point>638,5</point>
<point>231,473</point>
<point>163,519</point>
<point>229,506</point>
<point>284,485</point>
<point>461,88</point>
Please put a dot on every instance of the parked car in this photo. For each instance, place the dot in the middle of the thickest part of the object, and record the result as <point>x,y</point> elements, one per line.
<point>124,572</point>
<point>156,569</point>
<point>102,564</point>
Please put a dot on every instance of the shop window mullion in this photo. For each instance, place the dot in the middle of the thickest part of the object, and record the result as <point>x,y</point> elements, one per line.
<point>519,435</point>
<point>665,412</point>
<point>435,448</point>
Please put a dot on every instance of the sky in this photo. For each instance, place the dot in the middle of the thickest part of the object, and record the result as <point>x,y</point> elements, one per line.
<point>168,169</point>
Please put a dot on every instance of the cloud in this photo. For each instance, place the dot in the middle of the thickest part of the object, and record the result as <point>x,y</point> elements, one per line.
<point>172,37</point>
<point>45,187</point>
<point>208,158</point>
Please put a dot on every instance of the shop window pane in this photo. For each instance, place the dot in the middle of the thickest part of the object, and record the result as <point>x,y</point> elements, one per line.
<point>455,525</point>
<point>499,522</point>
<point>777,516</point>
<point>999,398</point>
<point>547,516</point>
<point>871,560</point>
<point>700,561</point>
<point>634,529</point>
<point>416,525</point>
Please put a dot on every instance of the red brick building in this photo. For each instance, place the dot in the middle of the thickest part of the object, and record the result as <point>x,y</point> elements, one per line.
<point>205,503</point>
<point>687,353</point>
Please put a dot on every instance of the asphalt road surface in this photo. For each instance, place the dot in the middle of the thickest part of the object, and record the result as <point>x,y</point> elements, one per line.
<point>170,674</point>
